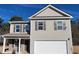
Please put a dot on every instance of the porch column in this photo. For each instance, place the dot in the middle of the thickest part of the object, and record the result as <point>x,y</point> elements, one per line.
<point>19,44</point>
<point>4,43</point>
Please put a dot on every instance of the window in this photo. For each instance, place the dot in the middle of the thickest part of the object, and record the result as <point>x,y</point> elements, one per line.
<point>17,28</point>
<point>26,28</point>
<point>40,25</point>
<point>60,25</point>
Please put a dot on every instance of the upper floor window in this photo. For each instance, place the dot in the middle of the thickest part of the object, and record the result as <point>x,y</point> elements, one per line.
<point>26,28</point>
<point>60,25</point>
<point>40,25</point>
<point>17,28</point>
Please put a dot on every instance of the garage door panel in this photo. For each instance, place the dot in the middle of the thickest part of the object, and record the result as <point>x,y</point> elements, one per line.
<point>48,47</point>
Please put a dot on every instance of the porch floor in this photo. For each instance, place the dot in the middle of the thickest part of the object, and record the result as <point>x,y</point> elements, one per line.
<point>10,52</point>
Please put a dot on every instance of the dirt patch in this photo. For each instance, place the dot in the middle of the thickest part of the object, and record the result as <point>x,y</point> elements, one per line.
<point>76,49</point>
<point>1,47</point>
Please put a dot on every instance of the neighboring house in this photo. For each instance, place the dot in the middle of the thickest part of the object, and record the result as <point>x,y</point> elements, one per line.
<point>50,32</point>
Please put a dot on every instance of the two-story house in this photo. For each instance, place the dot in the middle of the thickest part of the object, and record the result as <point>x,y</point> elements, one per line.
<point>50,32</point>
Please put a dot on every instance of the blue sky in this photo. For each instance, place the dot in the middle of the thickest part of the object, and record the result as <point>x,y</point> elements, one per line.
<point>26,10</point>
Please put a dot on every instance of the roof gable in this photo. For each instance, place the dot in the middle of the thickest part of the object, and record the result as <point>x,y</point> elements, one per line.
<point>50,11</point>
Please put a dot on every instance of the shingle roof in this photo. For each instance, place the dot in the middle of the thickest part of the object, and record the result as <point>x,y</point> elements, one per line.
<point>16,18</point>
<point>16,35</point>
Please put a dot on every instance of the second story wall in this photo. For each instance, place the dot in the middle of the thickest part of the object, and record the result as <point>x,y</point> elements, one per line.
<point>11,28</point>
<point>50,32</point>
<point>19,27</point>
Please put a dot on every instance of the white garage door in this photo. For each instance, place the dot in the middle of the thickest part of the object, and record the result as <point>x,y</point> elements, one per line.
<point>50,47</point>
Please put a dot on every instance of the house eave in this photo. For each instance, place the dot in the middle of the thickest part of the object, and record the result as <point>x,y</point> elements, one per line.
<point>15,22</point>
<point>12,36</point>
<point>50,18</point>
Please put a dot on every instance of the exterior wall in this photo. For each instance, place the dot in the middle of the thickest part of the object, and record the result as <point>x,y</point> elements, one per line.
<point>49,12</point>
<point>51,34</point>
<point>12,28</point>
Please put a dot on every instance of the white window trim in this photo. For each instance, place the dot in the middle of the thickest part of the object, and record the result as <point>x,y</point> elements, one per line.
<point>23,27</point>
<point>58,25</point>
<point>15,28</point>
<point>40,25</point>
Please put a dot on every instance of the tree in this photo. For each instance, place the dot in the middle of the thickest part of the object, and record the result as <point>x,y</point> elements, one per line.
<point>5,28</point>
<point>16,18</point>
<point>75,31</point>
<point>1,21</point>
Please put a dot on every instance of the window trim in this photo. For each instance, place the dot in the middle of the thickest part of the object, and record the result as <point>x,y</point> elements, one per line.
<point>56,25</point>
<point>37,25</point>
<point>19,28</point>
<point>24,25</point>
<point>59,25</point>
<point>40,25</point>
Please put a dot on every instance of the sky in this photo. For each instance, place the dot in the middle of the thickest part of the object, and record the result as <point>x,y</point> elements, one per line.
<point>26,10</point>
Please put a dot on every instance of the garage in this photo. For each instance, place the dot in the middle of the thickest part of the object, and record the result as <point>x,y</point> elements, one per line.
<point>50,47</point>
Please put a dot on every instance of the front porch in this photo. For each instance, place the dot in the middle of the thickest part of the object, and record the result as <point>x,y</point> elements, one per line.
<point>16,44</point>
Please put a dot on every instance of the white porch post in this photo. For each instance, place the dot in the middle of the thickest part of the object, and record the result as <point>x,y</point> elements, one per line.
<point>19,44</point>
<point>4,43</point>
